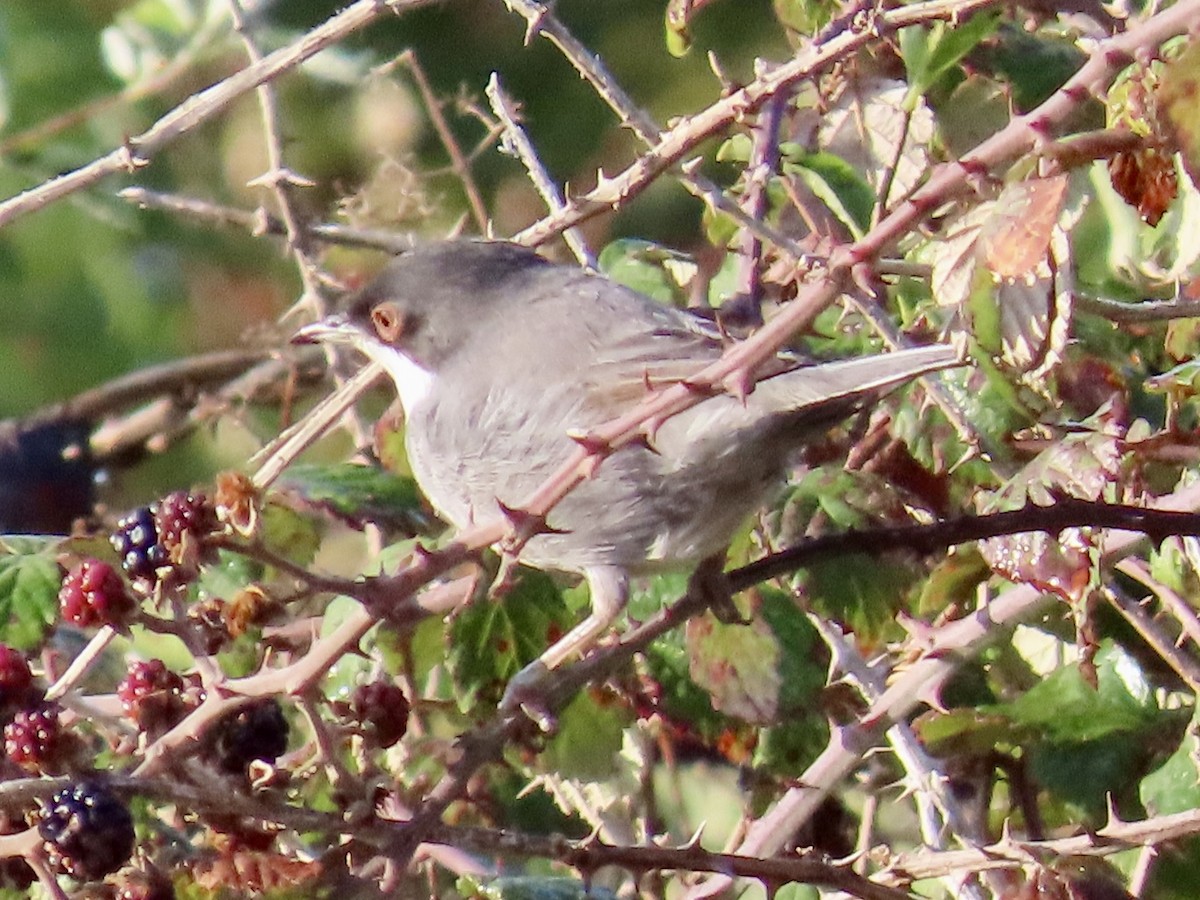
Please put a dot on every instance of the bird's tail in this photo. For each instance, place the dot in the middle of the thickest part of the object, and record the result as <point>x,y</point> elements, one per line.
<point>837,387</point>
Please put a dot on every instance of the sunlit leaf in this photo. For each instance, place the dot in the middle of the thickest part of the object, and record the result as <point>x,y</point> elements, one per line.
<point>1080,465</point>
<point>1178,89</point>
<point>650,269</point>
<point>1174,787</point>
<point>1015,239</point>
<point>872,130</point>
<point>29,584</point>
<point>358,494</point>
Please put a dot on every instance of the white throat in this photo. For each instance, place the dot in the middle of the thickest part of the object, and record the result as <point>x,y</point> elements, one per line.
<point>413,383</point>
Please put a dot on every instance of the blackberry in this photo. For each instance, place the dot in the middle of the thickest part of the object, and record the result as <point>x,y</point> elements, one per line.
<point>258,731</point>
<point>183,520</point>
<point>152,696</point>
<point>136,542</point>
<point>88,831</point>
<point>151,885</point>
<point>94,594</point>
<point>35,739</point>
<point>382,709</point>
<point>16,681</point>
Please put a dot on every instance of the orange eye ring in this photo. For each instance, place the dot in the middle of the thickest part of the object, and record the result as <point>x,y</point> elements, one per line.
<point>388,322</point>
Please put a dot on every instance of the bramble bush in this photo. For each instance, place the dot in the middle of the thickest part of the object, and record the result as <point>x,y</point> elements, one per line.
<point>965,656</point>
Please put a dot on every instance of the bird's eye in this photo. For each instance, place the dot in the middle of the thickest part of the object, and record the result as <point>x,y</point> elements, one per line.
<point>388,322</point>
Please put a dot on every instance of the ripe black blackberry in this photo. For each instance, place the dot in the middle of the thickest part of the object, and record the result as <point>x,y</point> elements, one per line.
<point>152,696</point>
<point>136,542</point>
<point>94,594</point>
<point>88,831</point>
<point>183,519</point>
<point>35,739</point>
<point>382,709</point>
<point>258,731</point>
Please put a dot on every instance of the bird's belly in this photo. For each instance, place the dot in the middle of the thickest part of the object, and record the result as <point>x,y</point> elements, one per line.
<point>640,511</point>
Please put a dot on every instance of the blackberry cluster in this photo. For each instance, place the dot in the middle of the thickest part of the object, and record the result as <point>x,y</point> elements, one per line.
<point>94,594</point>
<point>136,542</point>
<point>152,696</point>
<point>382,710</point>
<point>88,831</point>
<point>255,732</point>
<point>181,518</point>
<point>35,739</point>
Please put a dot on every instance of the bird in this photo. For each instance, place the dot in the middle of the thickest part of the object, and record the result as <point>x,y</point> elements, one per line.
<point>499,355</point>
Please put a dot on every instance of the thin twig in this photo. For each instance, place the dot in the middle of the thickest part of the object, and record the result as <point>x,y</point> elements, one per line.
<point>516,142</point>
<point>138,151</point>
<point>458,162</point>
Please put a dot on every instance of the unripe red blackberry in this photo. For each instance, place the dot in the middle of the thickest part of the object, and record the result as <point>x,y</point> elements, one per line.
<point>88,831</point>
<point>183,519</point>
<point>152,696</point>
<point>35,739</point>
<point>152,885</point>
<point>258,731</point>
<point>382,709</point>
<point>136,542</point>
<point>16,681</point>
<point>94,594</point>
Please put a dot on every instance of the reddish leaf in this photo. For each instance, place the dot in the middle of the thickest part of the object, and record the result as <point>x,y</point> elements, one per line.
<point>1016,238</point>
<point>1080,465</point>
<point>1146,180</point>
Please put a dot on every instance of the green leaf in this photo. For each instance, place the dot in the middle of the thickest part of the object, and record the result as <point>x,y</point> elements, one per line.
<point>289,534</point>
<point>649,597</point>
<point>359,494</point>
<point>587,743</point>
<point>228,575</point>
<point>805,17</point>
<point>1175,785</point>
<point>491,641</point>
<point>1183,378</point>
<point>1037,65</point>
<point>736,148</point>
<point>678,32</point>
<point>1066,709</point>
<point>739,665</point>
<point>1085,774</point>
<point>29,586</point>
<point>530,887</point>
<point>792,745</point>
<point>863,592</point>
<point>650,269</point>
<point>929,53</point>
<point>839,186</point>
<point>803,662</point>
<point>962,732</point>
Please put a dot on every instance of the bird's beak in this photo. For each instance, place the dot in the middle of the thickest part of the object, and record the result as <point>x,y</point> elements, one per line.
<point>333,329</point>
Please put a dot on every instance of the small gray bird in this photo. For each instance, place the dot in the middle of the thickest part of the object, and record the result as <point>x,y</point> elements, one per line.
<point>497,354</point>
